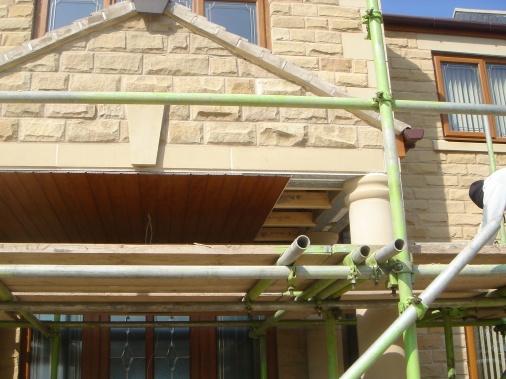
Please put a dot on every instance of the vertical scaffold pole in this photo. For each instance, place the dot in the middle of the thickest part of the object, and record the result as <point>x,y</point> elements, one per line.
<point>263,356</point>
<point>450,352</point>
<point>374,22</point>
<point>55,350</point>
<point>330,331</point>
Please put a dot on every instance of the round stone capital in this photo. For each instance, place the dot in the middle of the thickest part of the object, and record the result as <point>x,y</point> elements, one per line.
<point>370,186</point>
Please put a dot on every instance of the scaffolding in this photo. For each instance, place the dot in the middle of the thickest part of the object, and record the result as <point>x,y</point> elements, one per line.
<point>356,264</point>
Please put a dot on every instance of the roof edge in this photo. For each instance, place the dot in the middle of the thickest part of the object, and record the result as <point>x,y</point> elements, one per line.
<point>443,26</point>
<point>96,21</point>
<point>264,58</point>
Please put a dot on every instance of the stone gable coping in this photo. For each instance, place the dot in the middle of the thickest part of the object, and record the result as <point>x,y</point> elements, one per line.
<point>200,25</point>
<point>97,20</point>
<point>265,59</point>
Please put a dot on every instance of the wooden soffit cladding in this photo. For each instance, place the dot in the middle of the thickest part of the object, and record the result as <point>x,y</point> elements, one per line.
<point>134,208</point>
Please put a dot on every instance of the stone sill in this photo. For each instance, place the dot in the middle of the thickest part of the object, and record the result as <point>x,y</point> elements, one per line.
<point>466,147</point>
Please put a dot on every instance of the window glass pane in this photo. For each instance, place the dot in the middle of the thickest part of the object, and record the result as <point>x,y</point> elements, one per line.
<point>497,82</point>
<point>186,3</point>
<point>128,349</point>
<point>238,354</point>
<point>462,85</point>
<point>237,18</point>
<point>69,366</point>
<point>172,350</point>
<point>64,12</point>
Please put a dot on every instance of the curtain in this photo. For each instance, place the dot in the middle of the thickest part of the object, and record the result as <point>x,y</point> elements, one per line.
<point>497,82</point>
<point>462,85</point>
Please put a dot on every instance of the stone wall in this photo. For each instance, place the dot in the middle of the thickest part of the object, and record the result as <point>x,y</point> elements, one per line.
<point>16,19</point>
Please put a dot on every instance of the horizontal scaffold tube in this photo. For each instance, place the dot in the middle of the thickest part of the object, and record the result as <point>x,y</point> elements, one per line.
<point>164,307</point>
<point>224,272</point>
<point>161,98</point>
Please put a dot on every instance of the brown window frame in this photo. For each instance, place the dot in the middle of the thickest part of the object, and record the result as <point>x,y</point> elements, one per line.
<point>41,15</point>
<point>481,63</point>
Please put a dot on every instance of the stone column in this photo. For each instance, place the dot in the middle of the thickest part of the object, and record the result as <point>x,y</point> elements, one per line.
<point>371,224</point>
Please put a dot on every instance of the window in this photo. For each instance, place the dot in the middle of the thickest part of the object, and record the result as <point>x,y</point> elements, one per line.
<point>243,17</point>
<point>53,14</point>
<point>472,80</point>
<point>148,353</point>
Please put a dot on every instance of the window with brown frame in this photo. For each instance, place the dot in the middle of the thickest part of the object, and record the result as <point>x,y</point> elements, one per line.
<point>480,80</point>
<point>246,18</point>
<point>147,353</point>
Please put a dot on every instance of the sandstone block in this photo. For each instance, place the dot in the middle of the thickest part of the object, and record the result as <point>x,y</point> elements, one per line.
<point>352,79</point>
<point>16,24</point>
<point>202,45</point>
<point>199,84</point>
<point>288,48</point>
<point>332,136</point>
<point>280,9</point>
<point>42,130</point>
<point>8,130</point>
<point>145,83</point>
<point>49,82</point>
<point>302,35</point>
<point>45,63</point>
<point>179,43</point>
<point>315,116</point>
<point>250,70</point>
<point>223,66</point>
<point>179,112</point>
<point>315,22</point>
<point>345,25</point>
<point>255,114</point>
<point>17,81</point>
<point>114,111</point>
<point>189,133</point>
<point>339,11</point>
<point>288,22</point>
<point>239,85</point>
<point>370,137</point>
<point>95,82</point>
<point>23,110</point>
<point>20,10</point>
<point>112,41</point>
<point>230,133</point>
<point>14,39</point>
<point>173,64</point>
<point>280,35</point>
<point>324,49</point>
<point>146,43</point>
<point>77,62</point>
<point>118,63</point>
<point>278,87</point>
<point>276,134</point>
<point>93,131</point>
<point>305,10</point>
<point>308,63</point>
<point>70,110</point>
<point>215,113</point>
<point>336,64</point>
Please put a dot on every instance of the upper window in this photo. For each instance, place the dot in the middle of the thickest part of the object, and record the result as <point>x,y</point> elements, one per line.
<point>472,80</point>
<point>243,17</point>
<point>53,14</point>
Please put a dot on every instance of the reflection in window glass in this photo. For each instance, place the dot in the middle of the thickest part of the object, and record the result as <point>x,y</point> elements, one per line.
<point>128,350</point>
<point>64,12</point>
<point>237,18</point>
<point>239,354</point>
<point>497,82</point>
<point>172,350</point>
<point>186,3</point>
<point>462,85</point>
<point>69,364</point>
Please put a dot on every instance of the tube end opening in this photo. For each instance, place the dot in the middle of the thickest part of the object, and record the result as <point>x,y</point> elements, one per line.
<point>399,244</point>
<point>365,251</point>
<point>302,242</point>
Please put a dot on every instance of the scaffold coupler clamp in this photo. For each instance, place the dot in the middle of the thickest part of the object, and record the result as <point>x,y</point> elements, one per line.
<point>352,276</point>
<point>292,277</point>
<point>247,306</point>
<point>382,97</point>
<point>318,307</point>
<point>371,14</point>
<point>416,302</point>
